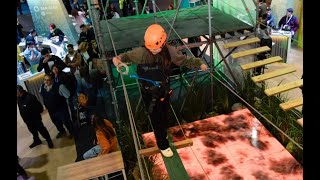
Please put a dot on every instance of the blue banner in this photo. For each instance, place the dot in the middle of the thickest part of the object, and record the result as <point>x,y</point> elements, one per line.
<point>45,12</point>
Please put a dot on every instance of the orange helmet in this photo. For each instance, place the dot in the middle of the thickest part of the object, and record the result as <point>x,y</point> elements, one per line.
<point>154,37</point>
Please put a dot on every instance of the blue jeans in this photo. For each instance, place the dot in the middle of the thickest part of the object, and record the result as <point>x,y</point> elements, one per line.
<point>93,152</point>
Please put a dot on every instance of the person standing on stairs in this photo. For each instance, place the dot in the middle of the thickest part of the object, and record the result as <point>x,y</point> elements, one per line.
<point>30,110</point>
<point>153,63</point>
<point>265,40</point>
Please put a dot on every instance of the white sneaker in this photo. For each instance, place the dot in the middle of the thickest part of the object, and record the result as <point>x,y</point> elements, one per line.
<point>167,152</point>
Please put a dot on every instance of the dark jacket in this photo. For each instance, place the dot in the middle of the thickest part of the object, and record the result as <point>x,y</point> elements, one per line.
<point>30,108</point>
<point>52,100</point>
<point>55,59</point>
<point>67,79</point>
<point>30,38</point>
<point>293,23</point>
<point>89,36</point>
<point>57,32</point>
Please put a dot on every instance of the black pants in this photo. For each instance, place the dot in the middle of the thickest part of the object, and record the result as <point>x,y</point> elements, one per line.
<point>61,118</point>
<point>258,70</point>
<point>159,119</point>
<point>35,127</point>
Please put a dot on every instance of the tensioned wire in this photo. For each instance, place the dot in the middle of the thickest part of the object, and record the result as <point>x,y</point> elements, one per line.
<point>130,114</point>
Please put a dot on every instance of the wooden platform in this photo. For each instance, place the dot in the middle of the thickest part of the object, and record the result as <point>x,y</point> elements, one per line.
<point>155,150</point>
<point>250,52</point>
<point>261,63</point>
<point>241,43</point>
<point>284,87</point>
<point>273,74</point>
<point>174,165</point>
<point>129,31</point>
<point>291,104</point>
<point>92,168</point>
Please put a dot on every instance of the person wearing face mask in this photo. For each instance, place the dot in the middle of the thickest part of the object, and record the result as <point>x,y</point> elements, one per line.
<point>289,22</point>
<point>154,62</point>
<point>32,54</point>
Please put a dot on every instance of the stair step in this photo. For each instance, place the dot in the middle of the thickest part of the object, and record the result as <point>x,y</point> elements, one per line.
<point>291,104</point>
<point>241,43</point>
<point>300,121</point>
<point>261,63</point>
<point>250,52</point>
<point>273,74</point>
<point>284,87</point>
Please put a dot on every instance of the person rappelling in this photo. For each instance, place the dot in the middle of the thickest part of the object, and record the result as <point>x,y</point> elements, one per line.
<point>153,73</point>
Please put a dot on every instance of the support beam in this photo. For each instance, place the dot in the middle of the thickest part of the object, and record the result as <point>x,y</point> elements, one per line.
<point>192,45</point>
<point>273,74</point>
<point>261,63</point>
<point>226,55</point>
<point>250,52</point>
<point>226,63</point>
<point>155,150</point>
<point>284,87</point>
<point>98,36</point>
<point>292,104</point>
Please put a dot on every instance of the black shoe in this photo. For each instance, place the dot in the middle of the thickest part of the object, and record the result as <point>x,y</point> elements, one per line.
<point>50,144</point>
<point>60,134</point>
<point>35,143</point>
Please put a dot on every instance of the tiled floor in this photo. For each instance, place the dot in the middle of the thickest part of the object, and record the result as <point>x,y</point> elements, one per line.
<point>40,161</point>
<point>225,147</point>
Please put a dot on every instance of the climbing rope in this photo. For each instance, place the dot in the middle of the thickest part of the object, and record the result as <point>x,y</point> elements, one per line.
<point>131,118</point>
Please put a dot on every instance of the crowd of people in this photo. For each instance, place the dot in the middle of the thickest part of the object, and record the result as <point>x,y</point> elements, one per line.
<point>288,22</point>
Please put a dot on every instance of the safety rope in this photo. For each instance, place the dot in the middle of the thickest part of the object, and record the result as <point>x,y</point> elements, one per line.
<point>131,118</point>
